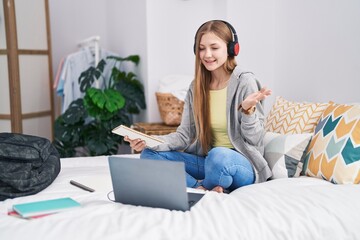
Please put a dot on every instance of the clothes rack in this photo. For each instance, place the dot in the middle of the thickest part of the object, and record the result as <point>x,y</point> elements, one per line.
<point>94,42</point>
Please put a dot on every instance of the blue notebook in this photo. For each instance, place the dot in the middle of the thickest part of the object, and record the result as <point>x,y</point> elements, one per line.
<point>45,207</point>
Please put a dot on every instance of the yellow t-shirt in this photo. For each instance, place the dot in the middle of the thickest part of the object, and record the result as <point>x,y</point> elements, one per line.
<point>218,118</point>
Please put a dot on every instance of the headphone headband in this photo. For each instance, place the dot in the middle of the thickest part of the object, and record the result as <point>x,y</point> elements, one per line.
<point>233,47</point>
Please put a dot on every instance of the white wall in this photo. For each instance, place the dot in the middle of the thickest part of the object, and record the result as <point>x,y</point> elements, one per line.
<point>304,50</point>
<point>172,25</point>
<point>72,21</point>
<point>254,22</point>
<point>318,51</point>
<point>127,35</point>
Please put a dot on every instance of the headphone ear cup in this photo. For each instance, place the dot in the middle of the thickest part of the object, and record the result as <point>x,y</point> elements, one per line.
<point>236,48</point>
<point>233,49</point>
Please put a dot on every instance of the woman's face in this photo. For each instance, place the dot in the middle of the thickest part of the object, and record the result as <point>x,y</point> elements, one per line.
<point>212,51</point>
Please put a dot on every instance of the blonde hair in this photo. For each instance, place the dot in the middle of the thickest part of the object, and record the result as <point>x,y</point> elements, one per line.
<point>203,79</point>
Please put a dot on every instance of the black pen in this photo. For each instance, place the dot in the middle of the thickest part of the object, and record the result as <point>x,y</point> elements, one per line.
<point>79,185</point>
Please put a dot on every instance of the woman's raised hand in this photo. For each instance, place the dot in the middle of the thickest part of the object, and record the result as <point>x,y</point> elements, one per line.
<point>255,97</point>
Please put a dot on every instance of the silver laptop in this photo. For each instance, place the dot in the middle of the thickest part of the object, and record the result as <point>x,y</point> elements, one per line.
<point>151,183</point>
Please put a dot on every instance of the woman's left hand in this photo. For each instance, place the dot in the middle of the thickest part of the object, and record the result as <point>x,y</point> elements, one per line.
<point>255,97</point>
<point>137,144</point>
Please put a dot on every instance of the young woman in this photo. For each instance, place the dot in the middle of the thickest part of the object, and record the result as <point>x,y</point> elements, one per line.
<point>220,138</point>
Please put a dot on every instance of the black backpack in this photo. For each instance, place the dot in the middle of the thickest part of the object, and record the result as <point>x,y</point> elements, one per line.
<point>28,164</point>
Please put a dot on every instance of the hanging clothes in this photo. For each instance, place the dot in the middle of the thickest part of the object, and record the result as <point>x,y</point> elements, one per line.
<point>58,73</point>
<point>76,63</point>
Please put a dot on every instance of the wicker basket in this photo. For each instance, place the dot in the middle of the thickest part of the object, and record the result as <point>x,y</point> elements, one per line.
<point>170,108</point>
<point>154,128</point>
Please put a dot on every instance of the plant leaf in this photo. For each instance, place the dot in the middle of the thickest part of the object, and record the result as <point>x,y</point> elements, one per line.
<point>101,141</point>
<point>133,93</point>
<point>114,100</point>
<point>97,97</point>
<point>68,136</point>
<point>75,113</point>
<point>132,58</point>
<point>88,77</point>
<point>100,67</point>
<point>108,99</point>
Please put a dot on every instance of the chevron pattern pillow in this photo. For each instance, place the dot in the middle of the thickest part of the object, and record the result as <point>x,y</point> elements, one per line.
<point>284,153</point>
<point>334,151</point>
<point>287,117</point>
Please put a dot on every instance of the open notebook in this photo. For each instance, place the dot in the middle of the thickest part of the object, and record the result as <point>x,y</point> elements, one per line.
<point>133,134</point>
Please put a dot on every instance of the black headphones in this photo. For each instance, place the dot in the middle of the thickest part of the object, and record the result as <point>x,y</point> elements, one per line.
<point>233,47</point>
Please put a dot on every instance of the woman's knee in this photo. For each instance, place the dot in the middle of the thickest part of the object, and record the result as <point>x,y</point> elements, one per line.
<point>147,153</point>
<point>218,156</point>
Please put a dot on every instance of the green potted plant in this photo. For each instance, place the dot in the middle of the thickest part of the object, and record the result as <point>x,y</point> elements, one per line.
<point>86,125</point>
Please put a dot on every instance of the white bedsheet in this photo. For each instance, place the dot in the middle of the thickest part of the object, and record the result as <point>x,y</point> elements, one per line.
<point>298,208</point>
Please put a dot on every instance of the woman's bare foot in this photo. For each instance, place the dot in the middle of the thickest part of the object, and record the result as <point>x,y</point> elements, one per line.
<point>201,187</point>
<point>218,189</point>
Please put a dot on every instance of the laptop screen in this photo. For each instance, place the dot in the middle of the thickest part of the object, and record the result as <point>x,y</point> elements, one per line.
<point>152,183</point>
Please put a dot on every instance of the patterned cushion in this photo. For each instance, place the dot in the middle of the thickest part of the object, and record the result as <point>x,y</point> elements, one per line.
<point>288,117</point>
<point>284,153</point>
<point>334,151</point>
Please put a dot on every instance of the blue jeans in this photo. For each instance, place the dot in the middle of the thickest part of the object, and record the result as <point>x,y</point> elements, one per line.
<point>221,167</point>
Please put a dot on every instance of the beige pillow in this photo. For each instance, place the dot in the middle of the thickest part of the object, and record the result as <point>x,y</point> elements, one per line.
<point>287,117</point>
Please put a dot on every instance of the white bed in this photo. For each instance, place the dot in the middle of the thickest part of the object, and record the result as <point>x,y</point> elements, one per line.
<point>294,208</point>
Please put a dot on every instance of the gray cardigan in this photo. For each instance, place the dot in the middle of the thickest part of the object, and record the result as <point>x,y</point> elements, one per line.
<point>245,132</point>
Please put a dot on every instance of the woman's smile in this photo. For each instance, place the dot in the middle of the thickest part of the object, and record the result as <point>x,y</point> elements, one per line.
<point>213,51</point>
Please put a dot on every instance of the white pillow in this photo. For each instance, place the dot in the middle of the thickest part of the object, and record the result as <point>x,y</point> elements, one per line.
<point>284,153</point>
